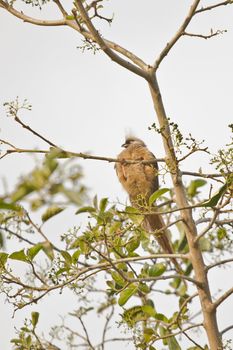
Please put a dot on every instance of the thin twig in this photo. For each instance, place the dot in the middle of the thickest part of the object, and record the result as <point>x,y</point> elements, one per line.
<point>86,333</point>
<point>209,36</point>
<point>221,299</point>
<point>159,278</point>
<point>104,46</point>
<point>211,7</point>
<point>36,21</point>
<point>108,318</point>
<point>61,8</point>
<point>226,329</point>
<point>177,36</point>
<point>222,262</point>
<point>18,120</point>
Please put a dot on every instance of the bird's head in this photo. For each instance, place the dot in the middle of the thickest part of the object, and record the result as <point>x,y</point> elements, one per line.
<point>131,140</point>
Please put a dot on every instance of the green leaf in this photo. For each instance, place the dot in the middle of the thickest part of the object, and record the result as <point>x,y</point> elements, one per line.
<point>35,317</point>
<point>143,287</point>
<point>161,317</point>
<point>133,315</point>
<point>221,233</point>
<point>103,204</point>
<point>9,206</point>
<point>183,243</point>
<point>205,244</point>
<point>32,252</point>
<point>73,196</point>
<point>133,244</point>
<point>189,269</point>
<point>149,310</point>
<point>118,278</point>
<point>157,270</point>
<point>70,17</point>
<point>175,283</point>
<point>148,333</point>
<point>134,215</point>
<point>50,212</point>
<point>85,210</point>
<point>48,249</point>
<point>20,255</point>
<point>156,195</point>
<point>213,201</point>
<point>173,344</point>
<point>3,258</point>
<point>95,202</point>
<point>126,294</point>
<point>28,341</point>
<point>22,191</point>
<point>75,256</point>
<point>67,257</point>
<point>194,185</point>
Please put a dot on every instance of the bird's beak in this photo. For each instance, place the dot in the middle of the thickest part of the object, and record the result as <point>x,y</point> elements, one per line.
<point>124,145</point>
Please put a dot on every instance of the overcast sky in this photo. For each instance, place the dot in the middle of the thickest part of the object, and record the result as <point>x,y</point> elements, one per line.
<point>86,103</point>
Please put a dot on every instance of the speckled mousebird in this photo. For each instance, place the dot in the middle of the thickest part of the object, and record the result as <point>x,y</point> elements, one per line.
<point>140,181</point>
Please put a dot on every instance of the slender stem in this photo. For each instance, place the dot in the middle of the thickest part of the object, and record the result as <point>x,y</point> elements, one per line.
<point>163,278</point>
<point>104,46</point>
<point>218,263</point>
<point>25,18</point>
<point>209,315</point>
<point>220,300</point>
<point>176,37</point>
<point>211,7</point>
<point>18,120</point>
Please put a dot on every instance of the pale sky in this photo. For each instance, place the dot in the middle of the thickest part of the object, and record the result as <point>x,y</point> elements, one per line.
<point>86,103</point>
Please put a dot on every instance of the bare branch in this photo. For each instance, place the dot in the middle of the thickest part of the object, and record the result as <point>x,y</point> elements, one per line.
<point>226,329</point>
<point>86,333</point>
<point>69,154</point>
<point>162,278</point>
<point>108,318</point>
<point>104,46</point>
<point>220,300</point>
<point>38,229</point>
<point>209,36</point>
<point>222,262</point>
<point>179,332</point>
<point>206,176</point>
<point>6,229</point>
<point>25,18</point>
<point>212,222</point>
<point>177,36</point>
<point>18,120</point>
<point>61,8</point>
<point>211,7</point>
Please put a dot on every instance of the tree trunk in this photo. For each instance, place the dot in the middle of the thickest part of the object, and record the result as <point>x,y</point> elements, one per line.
<point>209,314</point>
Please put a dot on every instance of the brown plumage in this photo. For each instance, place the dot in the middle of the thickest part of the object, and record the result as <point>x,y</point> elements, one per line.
<point>140,181</point>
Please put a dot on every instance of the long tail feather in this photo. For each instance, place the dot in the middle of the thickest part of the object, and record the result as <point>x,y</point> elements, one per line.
<point>154,222</point>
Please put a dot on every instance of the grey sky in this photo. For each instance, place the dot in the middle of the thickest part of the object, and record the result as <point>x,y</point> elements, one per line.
<point>85,102</point>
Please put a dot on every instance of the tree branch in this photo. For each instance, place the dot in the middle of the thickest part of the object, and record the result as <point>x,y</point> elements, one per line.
<point>61,8</point>
<point>177,36</point>
<point>104,46</point>
<point>209,36</point>
<point>226,329</point>
<point>211,7</point>
<point>18,120</point>
<point>162,278</point>
<point>220,300</point>
<point>25,18</point>
<point>222,262</point>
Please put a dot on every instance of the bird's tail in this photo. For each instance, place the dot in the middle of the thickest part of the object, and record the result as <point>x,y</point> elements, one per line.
<point>154,222</point>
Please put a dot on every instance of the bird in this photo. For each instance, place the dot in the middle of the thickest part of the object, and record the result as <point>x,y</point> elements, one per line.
<point>140,180</point>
